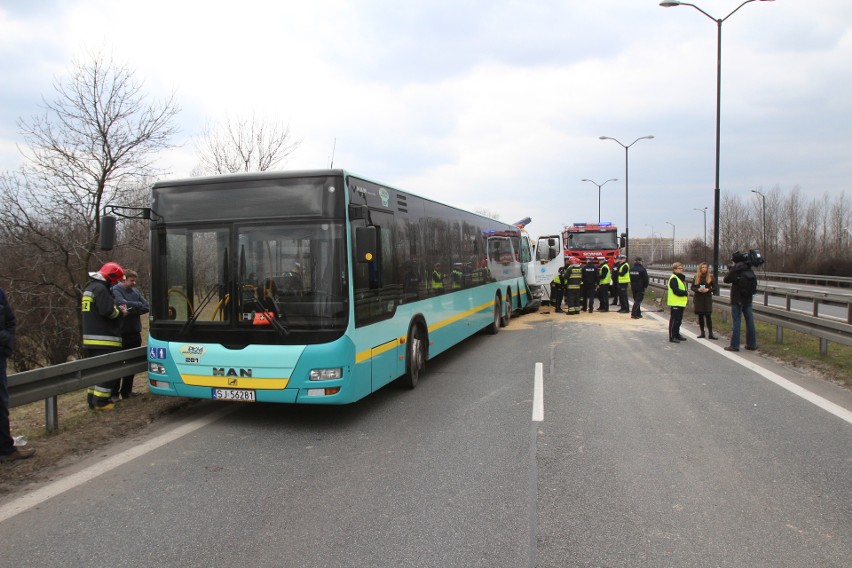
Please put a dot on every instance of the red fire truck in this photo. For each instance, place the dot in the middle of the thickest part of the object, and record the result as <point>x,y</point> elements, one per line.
<point>585,240</point>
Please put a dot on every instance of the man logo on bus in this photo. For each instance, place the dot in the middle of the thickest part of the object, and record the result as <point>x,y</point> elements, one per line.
<point>384,196</point>
<point>231,372</point>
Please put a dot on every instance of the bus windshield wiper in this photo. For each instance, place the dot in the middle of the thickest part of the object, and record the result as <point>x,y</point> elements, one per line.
<point>190,321</point>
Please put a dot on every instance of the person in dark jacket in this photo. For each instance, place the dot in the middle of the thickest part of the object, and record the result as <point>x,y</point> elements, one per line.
<point>622,277</point>
<point>102,328</point>
<point>8,450</point>
<point>590,284</point>
<point>741,302</point>
<point>604,280</point>
<point>638,282</point>
<point>678,297</point>
<point>126,293</point>
<point>573,278</point>
<point>703,286</point>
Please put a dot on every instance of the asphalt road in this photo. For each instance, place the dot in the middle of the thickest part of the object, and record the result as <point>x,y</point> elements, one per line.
<point>649,454</point>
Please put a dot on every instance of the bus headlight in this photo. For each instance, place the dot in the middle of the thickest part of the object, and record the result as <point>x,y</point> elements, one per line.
<point>326,374</point>
<point>156,368</point>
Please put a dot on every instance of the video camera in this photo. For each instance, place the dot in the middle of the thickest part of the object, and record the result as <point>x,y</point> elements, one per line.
<point>752,257</point>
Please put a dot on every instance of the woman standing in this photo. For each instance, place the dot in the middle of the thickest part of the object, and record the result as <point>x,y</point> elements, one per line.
<point>703,285</point>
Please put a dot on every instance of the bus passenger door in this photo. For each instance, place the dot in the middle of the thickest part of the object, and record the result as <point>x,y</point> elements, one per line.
<point>379,293</point>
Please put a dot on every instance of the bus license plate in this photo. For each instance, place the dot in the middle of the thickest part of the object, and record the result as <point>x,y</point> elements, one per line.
<point>234,394</point>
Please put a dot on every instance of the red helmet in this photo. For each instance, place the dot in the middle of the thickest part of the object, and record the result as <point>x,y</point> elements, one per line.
<point>112,271</point>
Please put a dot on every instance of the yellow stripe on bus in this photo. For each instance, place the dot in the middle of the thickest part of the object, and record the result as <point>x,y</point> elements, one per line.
<point>367,354</point>
<point>234,382</point>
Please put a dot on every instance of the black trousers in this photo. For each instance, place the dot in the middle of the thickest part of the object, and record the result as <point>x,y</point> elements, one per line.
<point>128,341</point>
<point>603,297</point>
<point>622,297</point>
<point>588,297</point>
<point>638,296</point>
<point>675,319</point>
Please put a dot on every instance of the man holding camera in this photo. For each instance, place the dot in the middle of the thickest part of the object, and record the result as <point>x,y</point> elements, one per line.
<point>743,283</point>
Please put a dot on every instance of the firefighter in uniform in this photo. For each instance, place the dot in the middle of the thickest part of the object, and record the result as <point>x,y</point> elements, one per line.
<point>605,277</point>
<point>590,283</point>
<point>575,279</point>
<point>623,284</point>
<point>557,288</point>
<point>102,327</point>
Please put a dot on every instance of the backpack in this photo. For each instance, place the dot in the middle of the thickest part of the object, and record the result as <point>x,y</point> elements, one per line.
<point>747,284</point>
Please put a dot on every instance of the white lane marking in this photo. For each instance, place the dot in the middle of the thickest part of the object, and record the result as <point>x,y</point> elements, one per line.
<point>538,394</point>
<point>802,392</point>
<point>60,486</point>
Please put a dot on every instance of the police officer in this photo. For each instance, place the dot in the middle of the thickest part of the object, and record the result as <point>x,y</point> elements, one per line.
<point>102,327</point>
<point>437,280</point>
<point>590,283</point>
<point>638,282</point>
<point>623,276</point>
<point>557,289</point>
<point>572,286</point>
<point>604,279</point>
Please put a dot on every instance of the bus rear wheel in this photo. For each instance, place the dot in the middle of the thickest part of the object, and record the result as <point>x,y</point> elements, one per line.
<point>507,315</point>
<point>494,326</point>
<point>415,356</point>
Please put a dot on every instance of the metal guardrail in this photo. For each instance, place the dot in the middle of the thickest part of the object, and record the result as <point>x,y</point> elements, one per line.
<point>805,279</point>
<point>48,383</point>
<point>826,328</point>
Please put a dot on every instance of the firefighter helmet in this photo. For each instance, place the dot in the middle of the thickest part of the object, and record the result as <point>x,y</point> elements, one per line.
<point>112,271</point>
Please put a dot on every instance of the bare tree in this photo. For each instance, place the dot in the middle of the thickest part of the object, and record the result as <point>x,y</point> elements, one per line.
<point>485,212</point>
<point>94,142</point>
<point>243,145</point>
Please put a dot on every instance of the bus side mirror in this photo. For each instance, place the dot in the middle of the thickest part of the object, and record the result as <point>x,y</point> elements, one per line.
<point>107,232</point>
<point>622,242</point>
<point>365,243</point>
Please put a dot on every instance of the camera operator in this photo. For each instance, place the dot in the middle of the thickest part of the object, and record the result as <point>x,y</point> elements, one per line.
<point>743,283</point>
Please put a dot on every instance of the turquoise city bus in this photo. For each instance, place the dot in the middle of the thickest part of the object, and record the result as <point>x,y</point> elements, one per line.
<point>317,287</point>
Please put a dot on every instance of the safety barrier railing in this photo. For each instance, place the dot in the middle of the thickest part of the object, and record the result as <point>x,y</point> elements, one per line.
<point>48,383</point>
<point>815,323</point>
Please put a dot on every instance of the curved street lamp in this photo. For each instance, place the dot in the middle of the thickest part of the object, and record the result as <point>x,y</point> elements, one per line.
<point>600,185</point>
<point>626,178</point>
<point>716,198</point>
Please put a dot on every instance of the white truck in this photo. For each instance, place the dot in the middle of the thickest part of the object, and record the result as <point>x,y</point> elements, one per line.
<point>547,258</point>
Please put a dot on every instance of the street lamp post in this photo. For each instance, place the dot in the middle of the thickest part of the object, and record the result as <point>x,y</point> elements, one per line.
<point>673,239</point>
<point>705,226</point>
<point>717,192</point>
<point>600,185</point>
<point>626,178</point>
<point>763,199</point>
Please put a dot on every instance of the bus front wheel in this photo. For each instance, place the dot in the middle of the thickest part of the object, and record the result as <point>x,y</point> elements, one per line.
<point>415,356</point>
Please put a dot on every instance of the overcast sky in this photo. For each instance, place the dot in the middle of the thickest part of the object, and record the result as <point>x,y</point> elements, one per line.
<point>489,104</point>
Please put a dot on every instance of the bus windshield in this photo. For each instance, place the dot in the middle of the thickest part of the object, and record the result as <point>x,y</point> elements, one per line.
<point>592,241</point>
<point>277,281</point>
